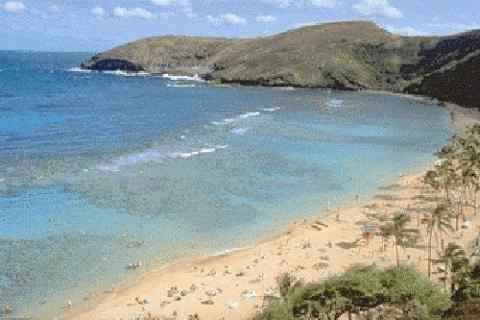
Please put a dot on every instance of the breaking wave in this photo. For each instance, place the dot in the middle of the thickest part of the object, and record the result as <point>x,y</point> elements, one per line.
<point>271,109</point>
<point>154,156</point>
<point>186,155</point>
<point>239,131</point>
<point>182,78</point>
<point>78,69</point>
<point>181,85</point>
<point>112,72</point>
<point>237,118</point>
<point>335,103</point>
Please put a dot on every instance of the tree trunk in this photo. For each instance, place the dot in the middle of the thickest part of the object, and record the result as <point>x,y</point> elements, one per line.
<point>446,275</point>
<point>429,260</point>
<point>396,253</point>
<point>475,203</point>
<point>457,222</point>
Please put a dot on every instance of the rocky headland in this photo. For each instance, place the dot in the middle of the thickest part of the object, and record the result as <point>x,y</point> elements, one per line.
<point>353,55</point>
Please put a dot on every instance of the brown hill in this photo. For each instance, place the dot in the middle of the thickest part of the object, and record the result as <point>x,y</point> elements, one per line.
<point>345,55</point>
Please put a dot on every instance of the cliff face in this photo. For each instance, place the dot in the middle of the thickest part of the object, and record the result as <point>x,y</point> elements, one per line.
<point>451,71</point>
<point>344,55</point>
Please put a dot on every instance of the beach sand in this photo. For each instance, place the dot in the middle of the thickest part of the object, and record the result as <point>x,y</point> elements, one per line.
<point>236,285</point>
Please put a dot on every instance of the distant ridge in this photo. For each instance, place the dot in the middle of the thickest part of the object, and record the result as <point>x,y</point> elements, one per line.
<point>350,55</point>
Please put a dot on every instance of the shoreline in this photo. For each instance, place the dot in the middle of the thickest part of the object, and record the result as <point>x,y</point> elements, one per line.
<point>107,303</point>
<point>277,233</point>
<point>193,285</point>
<point>235,292</point>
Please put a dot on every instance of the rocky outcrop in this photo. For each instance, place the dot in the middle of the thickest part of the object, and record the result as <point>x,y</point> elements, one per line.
<point>100,64</point>
<point>346,55</point>
<point>185,55</point>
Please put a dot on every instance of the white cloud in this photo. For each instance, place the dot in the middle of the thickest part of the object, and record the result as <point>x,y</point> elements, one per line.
<point>133,12</point>
<point>14,7</point>
<point>377,8</point>
<point>227,18</point>
<point>324,3</point>
<point>279,3</point>
<point>165,3</point>
<point>405,31</point>
<point>184,5</point>
<point>98,11</point>
<point>265,19</point>
<point>301,3</point>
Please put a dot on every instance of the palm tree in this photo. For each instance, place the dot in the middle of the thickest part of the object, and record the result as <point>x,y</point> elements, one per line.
<point>438,221</point>
<point>465,154</point>
<point>398,229</point>
<point>431,179</point>
<point>385,233</point>
<point>455,262</point>
<point>448,177</point>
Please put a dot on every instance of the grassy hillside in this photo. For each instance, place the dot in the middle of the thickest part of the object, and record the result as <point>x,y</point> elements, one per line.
<point>345,55</point>
<point>349,55</point>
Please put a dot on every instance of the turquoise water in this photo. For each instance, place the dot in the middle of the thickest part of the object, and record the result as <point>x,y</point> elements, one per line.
<point>93,164</point>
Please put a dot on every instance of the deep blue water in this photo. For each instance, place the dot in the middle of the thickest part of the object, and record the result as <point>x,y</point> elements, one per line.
<point>92,163</point>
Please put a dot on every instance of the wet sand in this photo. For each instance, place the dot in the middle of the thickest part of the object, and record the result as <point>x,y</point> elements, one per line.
<point>236,285</point>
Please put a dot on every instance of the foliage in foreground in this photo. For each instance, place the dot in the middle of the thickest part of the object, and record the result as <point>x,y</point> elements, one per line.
<point>396,293</point>
<point>402,293</point>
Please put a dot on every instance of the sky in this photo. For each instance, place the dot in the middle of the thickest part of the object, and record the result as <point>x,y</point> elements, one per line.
<point>97,25</point>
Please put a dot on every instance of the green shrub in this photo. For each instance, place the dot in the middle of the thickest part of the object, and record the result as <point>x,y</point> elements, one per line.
<point>467,310</point>
<point>362,291</point>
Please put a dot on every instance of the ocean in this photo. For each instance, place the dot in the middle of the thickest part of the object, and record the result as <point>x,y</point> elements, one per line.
<point>99,171</point>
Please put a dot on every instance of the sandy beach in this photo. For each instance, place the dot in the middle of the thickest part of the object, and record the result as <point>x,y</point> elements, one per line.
<point>181,160</point>
<point>236,285</point>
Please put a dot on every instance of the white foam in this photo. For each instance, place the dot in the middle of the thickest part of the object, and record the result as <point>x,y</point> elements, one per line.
<point>284,88</point>
<point>228,251</point>
<point>137,74</point>
<point>238,118</point>
<point>150,155</point>
<point>127,73</point>
<point>181,85</point>
<point>271,109</point>
<point>335,103</point>
<point>112,72</point>
<point>249,114</point>
<point>182,155</point>
<point>115,72</point>
<point>229,120</point>
<point>182,78</point>
<point>197,152</point>
<point>239,131</point>
<point>78,69</point>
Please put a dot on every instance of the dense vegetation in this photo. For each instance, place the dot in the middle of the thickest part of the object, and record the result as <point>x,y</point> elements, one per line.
<point>401,292</point>
<point>398,293</point>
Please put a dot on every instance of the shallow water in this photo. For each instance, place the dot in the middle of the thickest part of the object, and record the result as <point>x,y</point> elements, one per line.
<point>98,171</point>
